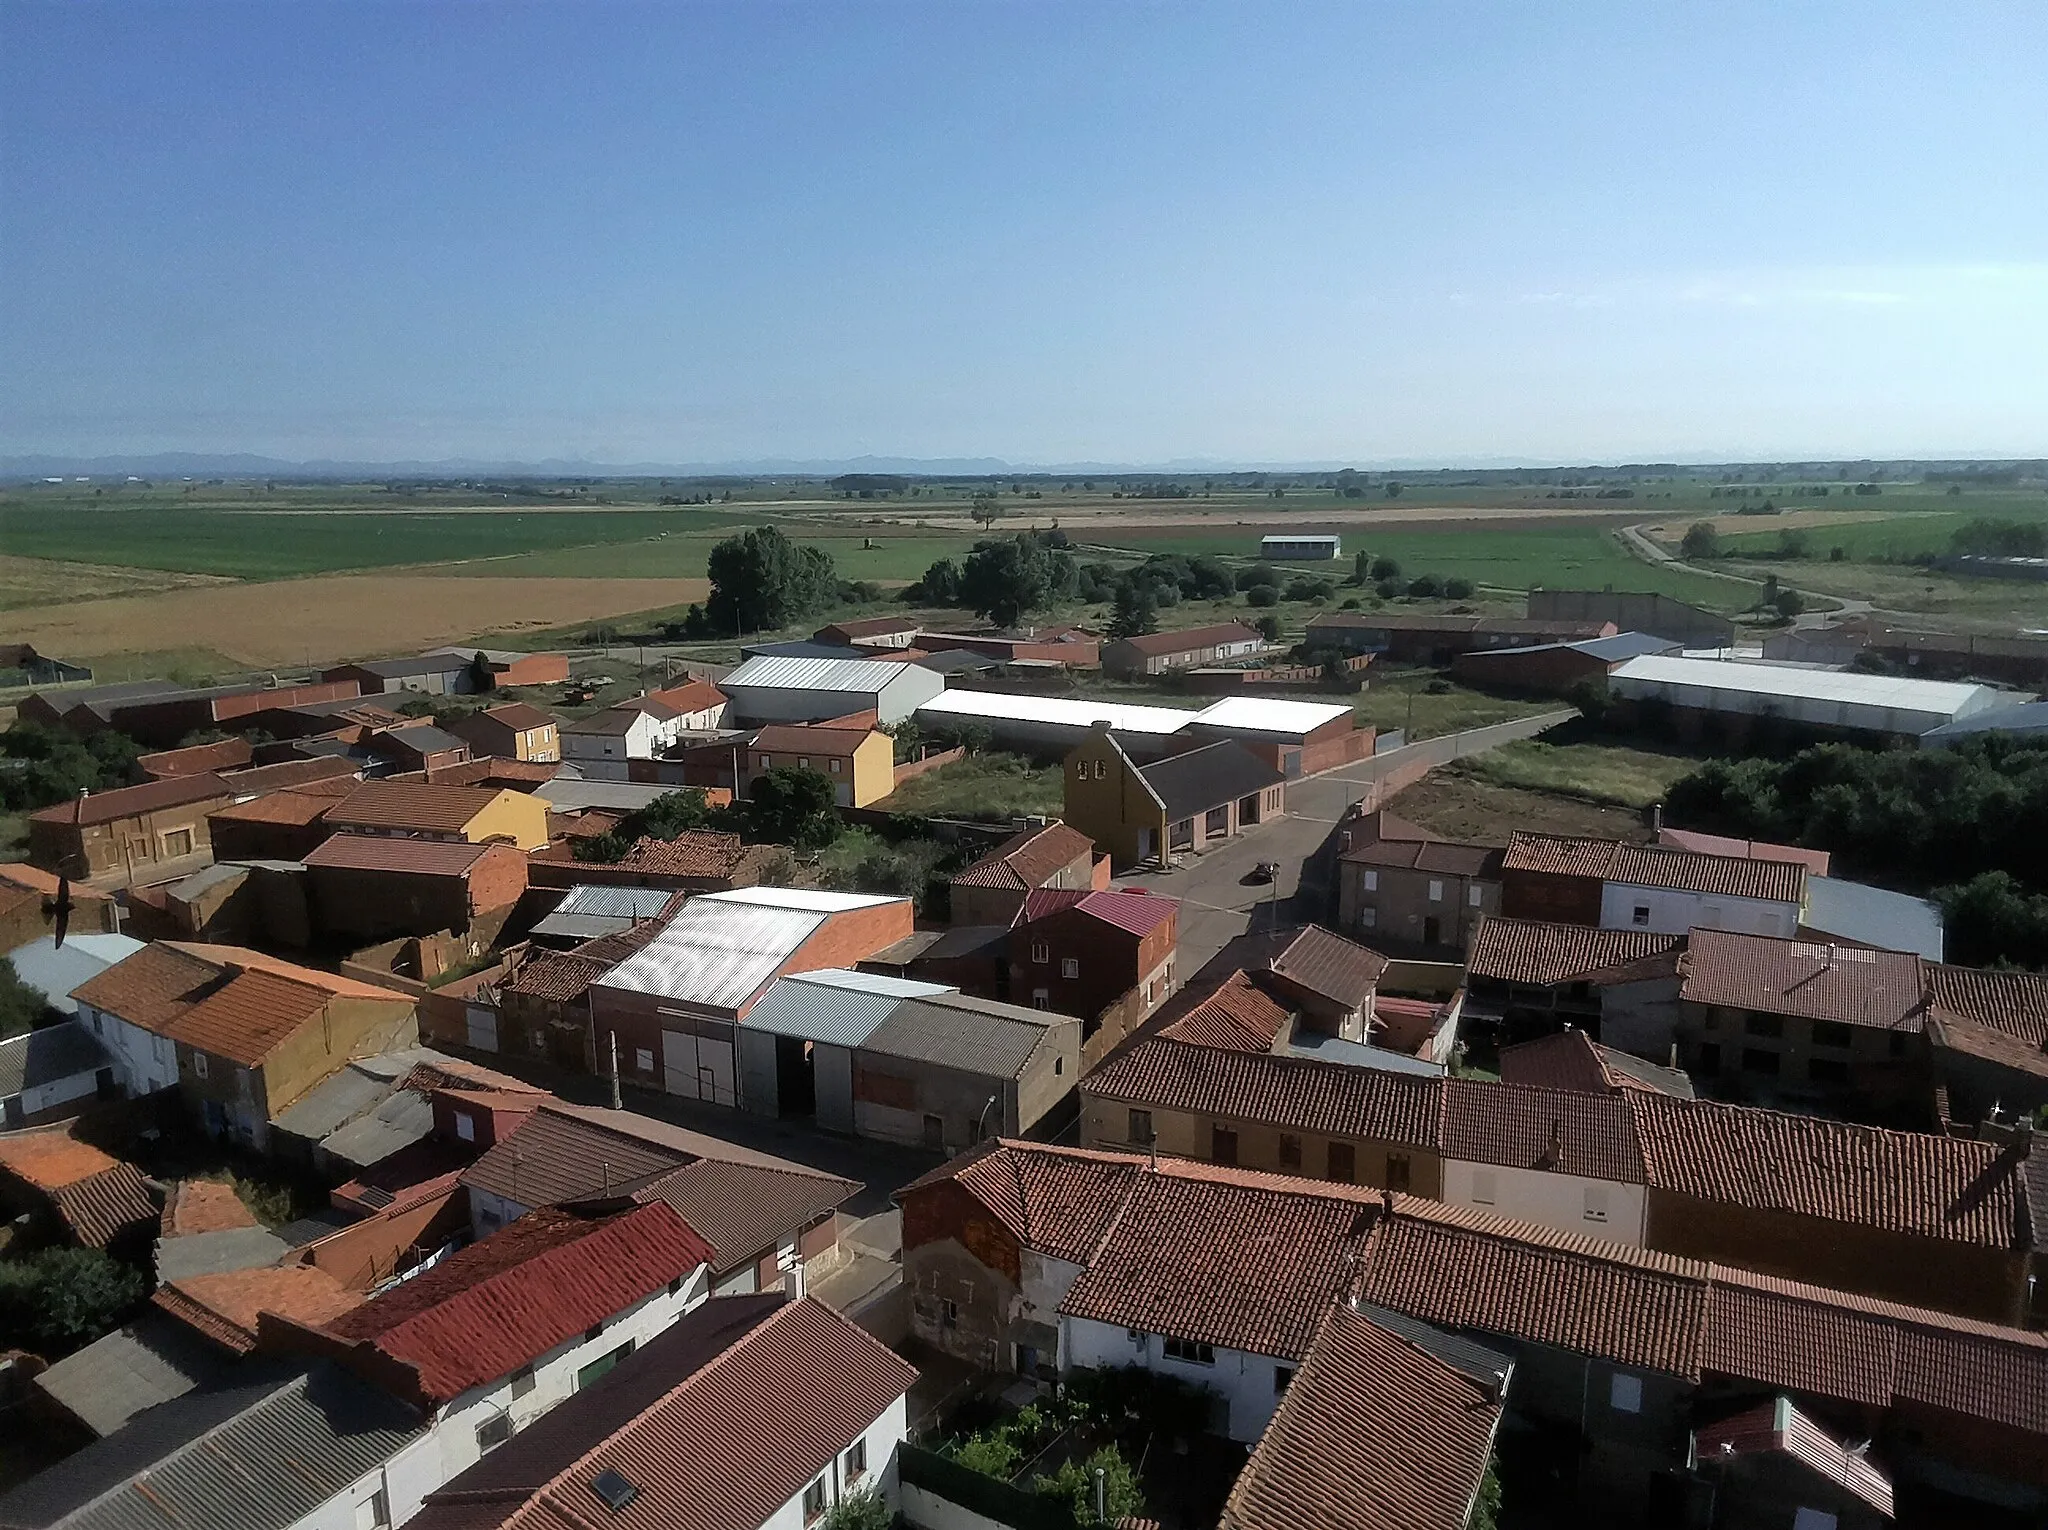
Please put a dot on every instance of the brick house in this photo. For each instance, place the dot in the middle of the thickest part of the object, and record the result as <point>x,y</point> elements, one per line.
<point>993,889</point>
<point>869,632</point>
<point>1400,885</point>
<point>130,832</point>
<point>1157,653</point>
<point>513,730</point>
<point>282,825</point>
<point>1618,886</point>
<point>415,810</point>
<point>28,898</point>
<point>161,718</point>
<point>241,1035</point>
<point>1619,986</point>
<point>859,762</point>
<point>1078,952</point>
<point>367,888</point>
<point>1182,803</point>
<point>418,747</point>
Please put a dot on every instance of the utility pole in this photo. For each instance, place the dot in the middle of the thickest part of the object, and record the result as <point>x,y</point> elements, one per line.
<point>617,1102</point>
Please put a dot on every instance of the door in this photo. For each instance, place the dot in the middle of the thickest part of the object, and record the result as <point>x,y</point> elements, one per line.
<point>796,1080</point>
<point>1432,930</point>
<point>1146,846</point>
<point>935,1133</point>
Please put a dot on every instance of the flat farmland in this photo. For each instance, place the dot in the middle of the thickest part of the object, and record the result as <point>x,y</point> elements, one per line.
<point>897,557</point>
<point>327,619</point>
<point>42,581</point>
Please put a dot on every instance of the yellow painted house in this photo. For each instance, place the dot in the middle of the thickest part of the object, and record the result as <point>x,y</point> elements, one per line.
<point>1173,806</point>
<point>1108,800</point>
<point>416,810</point>
<point>859,762</point>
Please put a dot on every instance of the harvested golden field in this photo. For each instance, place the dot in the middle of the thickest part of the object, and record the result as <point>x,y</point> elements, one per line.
<point>47,581</point>
<point>336,617</point>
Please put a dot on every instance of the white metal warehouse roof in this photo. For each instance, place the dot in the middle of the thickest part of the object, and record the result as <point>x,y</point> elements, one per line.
<point>1059,711</point>
<point>835,1006</point>
<point>1262,714</point>
<point>867,676</point>
<point>721,949</point>
<point>1845,686</point>
<point>810,899</point>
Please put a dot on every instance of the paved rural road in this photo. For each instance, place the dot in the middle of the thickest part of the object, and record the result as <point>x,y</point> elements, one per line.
<point>1639,542</point>
<point>1218,903</point>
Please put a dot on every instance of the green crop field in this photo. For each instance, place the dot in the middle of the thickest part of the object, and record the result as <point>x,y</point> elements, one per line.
<point>256,544</point>
<point>682,556</point>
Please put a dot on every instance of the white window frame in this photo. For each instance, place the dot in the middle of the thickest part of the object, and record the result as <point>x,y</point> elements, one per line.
<point>1625,1392</point>
<point>1475,896</point>
<point>1436,890</point>
<point>1371,880</point>
<point>1041,953</point>
<point>199,1065</point>
<point>1070,966</point>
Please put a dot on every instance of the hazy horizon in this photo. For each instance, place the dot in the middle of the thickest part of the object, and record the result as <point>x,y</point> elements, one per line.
<point>1061,234</point>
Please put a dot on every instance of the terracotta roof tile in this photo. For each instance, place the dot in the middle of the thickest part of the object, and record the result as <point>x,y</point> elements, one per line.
<point>394,805</point>
<point>1238,1016</point>
<point>1059,1201</point>
<point>127,801</point>
<point>1778,1428</point>
<point>103,1207</point>
<point>1374,1433</point>
<point>1836,1171</point>
<point>204,1206</point>
<point>499,1304</point>
<point>1152,644</point>
<point>1570,1059</point>
<point>327,773</point>
<point>1853,985</point>
<point>298,808</point>
<point>1815,861</point>
<point>1026,860</point>
<point>695,696</point>
<point>1590,1136</point>
<point>1292,1093</point>
<point>557,976</point>
<point>789,738</point>
<point>743,1209</point>
<point>1542,955</point>
<point>407,857</point>
<point>692,853</point>
<point>1330,965</point>
<point>247,1016</point>
<point>1657,866</point>
<point>224,1307</point>
<point>50,1157</point>
<point>518,714</point>
<point>1440,855</point>
<point>1137,913</point>
<point>2013,1002</point>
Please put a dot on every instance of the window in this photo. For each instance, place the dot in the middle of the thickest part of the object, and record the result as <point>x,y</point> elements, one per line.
<point>1283,1377</point>
<point>1070,966</point>
<point>1763,1025</point>
<point>522,1381</point>
<point>1625,1393</point>
<point>1398,1172</point>
<point>763,763</point>
<point>1343,1163</point>
<point>1804,1518</point>
<point>1710,1058</point>
<point>1102,770</point>
<point>493,1432</point>
<point>1222,1145</point>
<point>1290,1151</point>
<point>1216,821</point>
<point>857,1454</point>
<point>465,1126</point>
<point>1041,998</point>
<point>1474,896</point>
<point>1041,953</point>
<point>1141,1126</point>
<point>602,1365</point>
<point>1827,1070</point>
<point>1483,1193</point>
<point>814,1501</point>
<point>1832,1033</point>
<point>199,1064</point>
<point>949,1312</point>
<point>1080,770</point>
<point>1372,880</point>
<point>178,842</point>
<point>1639,916</point>
<point>1368,917</point>
<point>643,1059</point>
<point>1436,890</point>
<point>1190,1353</point>
<point>374,1512</point>
<point>1596,1203</point>
<point>1756,1060</point>
<point>834,764</point>
<point>803,762</point>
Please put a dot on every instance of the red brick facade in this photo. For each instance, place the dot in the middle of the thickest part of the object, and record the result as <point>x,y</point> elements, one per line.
<point>1106,961</point>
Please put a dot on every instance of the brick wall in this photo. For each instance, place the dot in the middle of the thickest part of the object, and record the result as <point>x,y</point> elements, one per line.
<point>847,938</point>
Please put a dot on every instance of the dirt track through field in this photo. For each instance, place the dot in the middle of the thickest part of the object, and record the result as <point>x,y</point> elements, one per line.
<point>336,617</point>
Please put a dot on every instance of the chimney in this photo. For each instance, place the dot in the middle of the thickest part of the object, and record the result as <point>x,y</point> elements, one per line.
<point>1656,811</point>
<point>1553,1152</point>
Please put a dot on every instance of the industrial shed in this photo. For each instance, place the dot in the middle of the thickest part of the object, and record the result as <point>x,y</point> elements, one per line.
<point>813,690</point>
<point>1052,725</point>
<point>1300,547</point>
<point>1813,698</point>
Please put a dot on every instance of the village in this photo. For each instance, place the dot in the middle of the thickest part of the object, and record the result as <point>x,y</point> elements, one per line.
<point>424,1043</point>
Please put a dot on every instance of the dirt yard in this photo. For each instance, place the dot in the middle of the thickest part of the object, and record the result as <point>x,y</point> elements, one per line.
<point>1460,807</point>
<point>334,618</point>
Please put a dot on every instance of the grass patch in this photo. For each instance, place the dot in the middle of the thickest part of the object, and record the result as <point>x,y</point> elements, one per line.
<point>1403,699</point>
<point>992,788</point>
<point>1607,774</point>
<point>13,836</point>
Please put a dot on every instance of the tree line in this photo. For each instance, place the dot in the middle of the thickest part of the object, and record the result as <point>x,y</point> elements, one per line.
<point>1968,826</point>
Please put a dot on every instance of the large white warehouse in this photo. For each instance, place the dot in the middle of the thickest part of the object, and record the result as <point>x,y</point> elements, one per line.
<point>812,690</point>
<point>1052,724</point>
<point>1818,698</point>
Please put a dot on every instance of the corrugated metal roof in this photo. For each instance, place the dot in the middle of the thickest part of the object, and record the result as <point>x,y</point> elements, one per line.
<point>835,1006</point>
<point>859,675</point>
<point>1058,711</point>
<point>974,1036</point>
<point>2030,717</point>
<point>716,953</point>
<point>152,1360</point>
<point>588,912</point>
<point>1873,916</point>
<point>54,972</point>
<point>44,1056</point>
<point>1623,645</point>
<point>1844,686</point>
<point>569,794</point>
<point>1262,714</point>
<point>261,1456</point>
<point>805,899</point>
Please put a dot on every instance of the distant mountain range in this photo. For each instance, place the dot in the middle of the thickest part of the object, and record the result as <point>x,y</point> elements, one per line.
<point>249,465</point>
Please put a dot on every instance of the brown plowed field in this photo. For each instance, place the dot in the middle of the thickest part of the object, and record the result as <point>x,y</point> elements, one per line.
<point>337,617</point>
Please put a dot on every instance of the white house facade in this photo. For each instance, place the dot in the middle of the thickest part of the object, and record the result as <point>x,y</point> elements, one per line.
<point>1672,911</point>
<point>1248,1386</point>
<point>1594,1208</point>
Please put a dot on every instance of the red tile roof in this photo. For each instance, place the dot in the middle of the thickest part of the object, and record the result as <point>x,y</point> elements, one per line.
<point>1292,1093</point>
<point>1059,1201</point>
<point>1327,964</point>
<point>746,1209</point>
<point>245,1018</point>
<point>1027,859</point>
<point>1657,866</point>
<point>129,801</point>
<point>735,1438</point>
<point>1853,985</point>
<point>295,808</point>
<point>222,754</point>
<point>1590,1136</point>
<point>788,738</point>
<point>323,771</point>
<point>1815,861</point>
<point>1136,912</point>
<point>1445,856</point>
<point>695,696</point>
<point>1152,644</point>
<point>502,1303</point>
<point>1237,1016</point>
<point>2013,1002</point>
<point>692,853</point>
<point>397,805</point>
<point>555,976</point>
<point>400,857</point>
<point>1778,1428</point>
<point>1833,1171</point>
<point>1542,955</point>
<point>1570,1059</point>
<point>224,1306</point>
<point>519,715</point>
<point>1374,1433</point>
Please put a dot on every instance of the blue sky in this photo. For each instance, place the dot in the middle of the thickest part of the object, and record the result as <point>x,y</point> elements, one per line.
<point>1134,233</point>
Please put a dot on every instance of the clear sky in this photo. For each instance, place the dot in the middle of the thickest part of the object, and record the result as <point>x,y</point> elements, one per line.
<point>1273,232</point>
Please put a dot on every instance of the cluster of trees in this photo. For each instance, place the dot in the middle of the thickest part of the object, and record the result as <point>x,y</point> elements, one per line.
<point>50,765</point>
<point>61,1299</point>
<point>789,805</point>
<point>1005,578</point>
<point>22,1008</point>
<point>1968,825</point>
<point>2000,539</point>
<point>761,581</point>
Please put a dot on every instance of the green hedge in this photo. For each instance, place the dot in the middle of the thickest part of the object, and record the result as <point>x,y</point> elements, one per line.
<point>998,1501</point>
